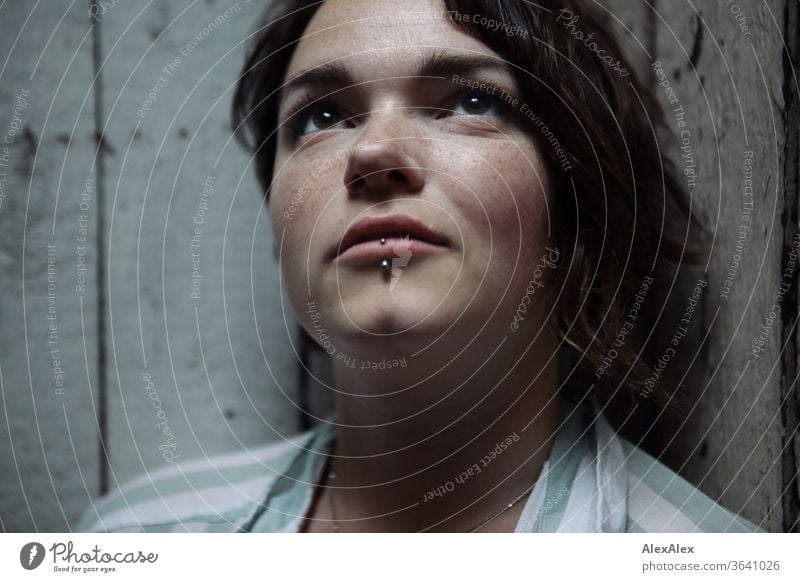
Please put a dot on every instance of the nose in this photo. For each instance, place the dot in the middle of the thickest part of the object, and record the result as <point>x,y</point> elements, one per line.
<point>379,163</point>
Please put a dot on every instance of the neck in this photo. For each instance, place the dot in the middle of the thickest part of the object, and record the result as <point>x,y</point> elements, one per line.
<point>440,448</point>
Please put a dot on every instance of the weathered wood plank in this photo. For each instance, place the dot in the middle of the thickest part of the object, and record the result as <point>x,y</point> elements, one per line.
<point>724,63</point>
<point>226,396</point>
<point>188,376</point>
<point>790,397</point>
<point>49,455</point>
<point>631,23</point>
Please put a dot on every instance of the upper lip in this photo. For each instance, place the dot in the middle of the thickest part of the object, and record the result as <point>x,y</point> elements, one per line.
<point>373,227</point>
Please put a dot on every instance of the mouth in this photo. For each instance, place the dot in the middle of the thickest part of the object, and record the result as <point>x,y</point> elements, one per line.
<point>385,236</point>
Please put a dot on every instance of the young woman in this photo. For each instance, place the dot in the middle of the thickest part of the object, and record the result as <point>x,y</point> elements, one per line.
<point>463,194</point>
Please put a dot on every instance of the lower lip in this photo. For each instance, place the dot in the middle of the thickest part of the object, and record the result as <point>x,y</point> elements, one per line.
<point>394,248</point>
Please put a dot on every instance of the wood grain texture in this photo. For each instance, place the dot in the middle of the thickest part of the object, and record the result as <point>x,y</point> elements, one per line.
<point>725,74</point>
<point>789,398</point>
<point>221,349</point>
<point>49,459</point>
<point>631,23</point>
<point>197,365</point>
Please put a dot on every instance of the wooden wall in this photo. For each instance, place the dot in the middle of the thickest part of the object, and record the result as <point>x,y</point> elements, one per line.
<point>159,365</point>
<point>107,333</point>
<point>724,75</point>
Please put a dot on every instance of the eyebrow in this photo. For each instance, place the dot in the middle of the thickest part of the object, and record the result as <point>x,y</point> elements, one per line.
<point>435,64</point>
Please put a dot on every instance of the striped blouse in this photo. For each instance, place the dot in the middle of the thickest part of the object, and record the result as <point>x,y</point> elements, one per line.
<point>594,480</point>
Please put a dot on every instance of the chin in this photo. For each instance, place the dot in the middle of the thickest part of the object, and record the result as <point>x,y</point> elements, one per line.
<point>397,312</point>
<point>404,320</point>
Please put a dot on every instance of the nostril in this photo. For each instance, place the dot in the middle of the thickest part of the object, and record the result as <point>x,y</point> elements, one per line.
<point>396,175</point>
<point>358,181</point>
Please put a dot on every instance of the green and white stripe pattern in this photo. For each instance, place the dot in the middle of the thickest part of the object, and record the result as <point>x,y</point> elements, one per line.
<point>593,481</point>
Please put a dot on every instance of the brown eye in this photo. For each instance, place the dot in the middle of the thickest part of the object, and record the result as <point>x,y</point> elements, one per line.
<point>476,104</point>
<point>324,118</point>
<point>321,117</point>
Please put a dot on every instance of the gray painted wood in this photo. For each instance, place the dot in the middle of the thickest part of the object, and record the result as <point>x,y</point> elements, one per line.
<point>631,23</point>
<point>49,456</point>
<point>729,82</point>
<point>711,448</point>
<point>231,395</point>
<point>197,366</point>
<point>790,398</point>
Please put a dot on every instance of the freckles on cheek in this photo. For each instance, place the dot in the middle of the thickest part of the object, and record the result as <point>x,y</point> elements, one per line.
<point>516,209</point>
<point>291,194</point>
<point>298,210</point>
<point>522,194</point>
<point>308,183</point>
<point>511,194</point>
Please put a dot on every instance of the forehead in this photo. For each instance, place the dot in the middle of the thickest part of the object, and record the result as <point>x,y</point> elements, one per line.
<point>382,35</point>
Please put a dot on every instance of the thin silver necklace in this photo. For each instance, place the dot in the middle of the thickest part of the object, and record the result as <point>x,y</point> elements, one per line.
<point>337,529</point>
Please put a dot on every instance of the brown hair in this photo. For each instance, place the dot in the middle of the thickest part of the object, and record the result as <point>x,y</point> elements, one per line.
<point>623,208</point>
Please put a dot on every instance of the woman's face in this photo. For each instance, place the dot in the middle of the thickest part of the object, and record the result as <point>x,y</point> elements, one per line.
<point>385,142</point>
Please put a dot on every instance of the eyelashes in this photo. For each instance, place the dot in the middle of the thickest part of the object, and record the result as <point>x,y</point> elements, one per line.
<point>298,115</point>
<point>501,107</point>
<point>301,111</point>
<point>293,114</point>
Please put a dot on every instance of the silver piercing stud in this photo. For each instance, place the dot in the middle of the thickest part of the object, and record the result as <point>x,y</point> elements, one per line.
<point>385,265</point>
<point>383,241</point>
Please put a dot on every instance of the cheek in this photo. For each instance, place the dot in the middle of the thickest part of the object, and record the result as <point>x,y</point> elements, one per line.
<point>289,210</point>
<point>518,205</point>
<point>299,195</point>
<point>519,190</point>
<point>290,194</point>
<point>506,203</point>
<point>294,207</point>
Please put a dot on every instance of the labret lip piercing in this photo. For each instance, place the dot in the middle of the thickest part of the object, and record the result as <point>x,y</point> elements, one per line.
<point>385,262</point>
<point>385,265</point>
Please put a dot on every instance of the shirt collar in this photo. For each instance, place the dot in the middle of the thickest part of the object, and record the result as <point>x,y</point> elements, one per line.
<point>582,486</point>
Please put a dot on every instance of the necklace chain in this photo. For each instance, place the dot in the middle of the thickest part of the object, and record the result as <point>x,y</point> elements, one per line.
<point>337,529</point>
